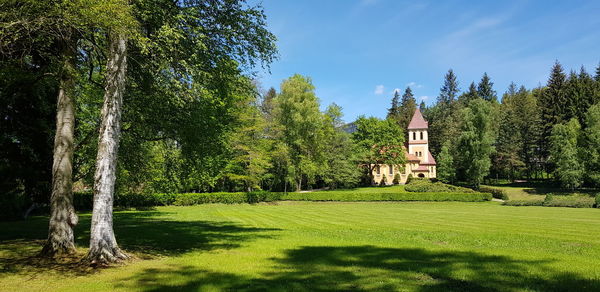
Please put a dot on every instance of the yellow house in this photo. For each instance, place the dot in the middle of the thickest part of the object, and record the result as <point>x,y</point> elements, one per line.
<point>420,162</point>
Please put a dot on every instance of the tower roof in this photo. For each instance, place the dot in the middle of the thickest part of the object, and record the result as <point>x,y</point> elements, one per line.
<point>417,121</point>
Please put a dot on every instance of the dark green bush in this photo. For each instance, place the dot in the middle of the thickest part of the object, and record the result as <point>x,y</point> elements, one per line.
<point>396,180</point>
<point>571,201</point>
<point>598,200</point>
<point>13,205</point>
<point>523,203</point>
<point>420,185</point>
<point>496,193</point>
<point>350,196</point>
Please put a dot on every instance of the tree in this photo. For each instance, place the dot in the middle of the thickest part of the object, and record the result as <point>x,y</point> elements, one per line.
<point>343,157</point>
<point>297,111</point>
<point>407,108</point>
<point>422,106</point>
<point>449,90</point>
<point>379,142</point>
<point>507,160</point>
<point>445,165</point>
<point>591,147</point>
<point>267,102</point>
<point>552,105</point>
<point>485,89</point>
<point>471,94</point>
<point>597,76</point>
<point>475,143</point>
<point>394,110</point>
<point>563,153</point>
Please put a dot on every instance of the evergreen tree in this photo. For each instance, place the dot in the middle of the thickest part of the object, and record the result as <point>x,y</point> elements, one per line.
<point>563,153</point>
<point>422,106</point>
<point>394,110</point>
<point>509,142</point>
<point>591,147</point>
<point>475,143</point>
<point>407,108</point>
<point>552,105</point>
<point>267,101</point>
<point>471,94</point>
<point>449,90</point>
<point>597,76</point>
<point>485,89</point>
<point>527,115</point>
<point>445,165</point>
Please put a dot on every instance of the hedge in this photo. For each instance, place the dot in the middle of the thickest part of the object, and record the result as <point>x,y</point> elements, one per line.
<point>496,193</point>
<point>571,201</point>
<point>84,200</point>
<point>406,196</point>
<point>427,186</point>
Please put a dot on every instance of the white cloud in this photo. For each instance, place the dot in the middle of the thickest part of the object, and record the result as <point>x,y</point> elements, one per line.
<point>396,90</point>
<point>379,89</point>
<point>424,97</point>
<point>414,85</point>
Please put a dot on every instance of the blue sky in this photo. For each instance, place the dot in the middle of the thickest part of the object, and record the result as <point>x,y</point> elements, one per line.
<point>357,52</point>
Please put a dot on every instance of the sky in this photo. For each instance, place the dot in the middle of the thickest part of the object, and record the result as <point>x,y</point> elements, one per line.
<point>357,52</point>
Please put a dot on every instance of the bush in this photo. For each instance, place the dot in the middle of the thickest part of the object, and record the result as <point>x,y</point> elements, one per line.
<point>598,200</point>
<point>496,193</point>
<point>350,196</point>
<point>14,205</point>
<point>396,180</point>
<point>425,185</point>
<point>571,201</point>
<point>383,181</point>
<point>523,203</point>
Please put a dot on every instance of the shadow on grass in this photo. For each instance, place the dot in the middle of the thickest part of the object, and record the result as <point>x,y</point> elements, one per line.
<point>369,268</point>
<point>144,233</point>
<point>546,187</point>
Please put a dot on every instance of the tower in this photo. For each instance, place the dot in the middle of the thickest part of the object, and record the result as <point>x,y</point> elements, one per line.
<point>418,140</point>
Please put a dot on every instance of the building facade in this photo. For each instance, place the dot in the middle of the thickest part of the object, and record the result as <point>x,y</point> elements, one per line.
<point>419,161</point>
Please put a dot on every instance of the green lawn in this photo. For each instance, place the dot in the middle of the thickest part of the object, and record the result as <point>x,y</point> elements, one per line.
<point>306,246</point>
<point>536,191</point>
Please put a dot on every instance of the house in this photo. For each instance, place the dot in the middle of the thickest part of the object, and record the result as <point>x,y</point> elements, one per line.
<point>420,162</point>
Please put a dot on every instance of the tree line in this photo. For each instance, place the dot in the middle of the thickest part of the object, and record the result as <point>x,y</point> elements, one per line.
<point>550,131</point>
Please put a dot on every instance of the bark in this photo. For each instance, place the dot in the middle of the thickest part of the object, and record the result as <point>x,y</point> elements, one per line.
<point>103,244</point>
<point>62,213</point>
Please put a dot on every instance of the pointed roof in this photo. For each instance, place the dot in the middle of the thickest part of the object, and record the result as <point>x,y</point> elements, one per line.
<point>417,121</point>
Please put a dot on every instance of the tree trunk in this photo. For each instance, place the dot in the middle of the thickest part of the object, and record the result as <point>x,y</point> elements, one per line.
<point>62,213</point>
<point>103,244</point>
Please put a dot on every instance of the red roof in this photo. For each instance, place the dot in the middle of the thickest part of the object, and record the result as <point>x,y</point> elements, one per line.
<point>417,121</point>
<point>421,168</point>
<point>431,160</point>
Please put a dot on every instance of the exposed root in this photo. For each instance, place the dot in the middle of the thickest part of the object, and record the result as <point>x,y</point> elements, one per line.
<point>53,249</point>
<point>102,257</point>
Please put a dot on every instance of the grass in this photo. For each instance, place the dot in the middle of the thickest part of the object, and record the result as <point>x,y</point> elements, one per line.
<point>308,246</point>
<point>537,191</point>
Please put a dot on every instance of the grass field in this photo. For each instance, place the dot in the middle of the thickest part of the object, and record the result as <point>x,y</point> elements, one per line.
<point>536,191</point>
<point>306,246</point>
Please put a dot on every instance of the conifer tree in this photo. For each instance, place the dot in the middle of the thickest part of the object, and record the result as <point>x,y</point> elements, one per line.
<point>449,90</point>
<point>394,110</point>
<point>471,94</point>
<point>485,88</point>
<point>597,76</point>
<point>552,105</point>
<point>407,108</point>
<point>422,106</point>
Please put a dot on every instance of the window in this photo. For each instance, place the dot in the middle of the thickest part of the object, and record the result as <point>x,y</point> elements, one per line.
<point>378,169</point>
<point>421,135</point>
<point>414,135</point>
<point>391,168</point>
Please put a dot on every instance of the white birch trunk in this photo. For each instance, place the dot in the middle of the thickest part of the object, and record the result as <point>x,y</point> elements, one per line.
<point>103,244</point>
<point>62,213</point>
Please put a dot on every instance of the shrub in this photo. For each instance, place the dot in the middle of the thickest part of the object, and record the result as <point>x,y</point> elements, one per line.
<point>350,196</point>
<point>598,200</point>
<point>396,180</point>
<point>496,193</point>
<point>425,185</point>
<point>572,201</point>
<point>383,181</point>
<point>523,203</point>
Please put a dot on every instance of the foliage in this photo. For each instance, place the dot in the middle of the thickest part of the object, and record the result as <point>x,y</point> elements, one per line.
<point>396,180</point>
<point>564,154</point>
<point>496,193</point>
<point>591,147</point>
<point>445,165</point>
<point>379,142</point>
<point>571,201</point>
<point>485,89</point>
<point>350,196</point>
<point>426,185</point>
<point>475,143</point>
